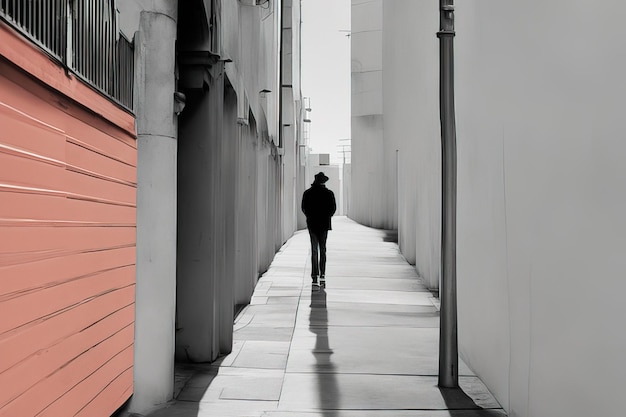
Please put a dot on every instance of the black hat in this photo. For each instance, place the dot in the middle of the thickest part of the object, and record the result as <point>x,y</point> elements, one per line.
<point>321,178</point>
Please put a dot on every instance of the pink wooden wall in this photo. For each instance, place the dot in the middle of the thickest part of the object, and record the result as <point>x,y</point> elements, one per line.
<point>67,241</point>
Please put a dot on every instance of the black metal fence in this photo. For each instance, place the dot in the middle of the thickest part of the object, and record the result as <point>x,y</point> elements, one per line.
<point>83,35</point>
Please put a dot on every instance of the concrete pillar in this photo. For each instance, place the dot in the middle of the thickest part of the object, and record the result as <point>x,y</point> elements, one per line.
<point>230,185</point>
<point>201,226</point>
<point>301,183</point>
<point>289,213</point>
<point>262,203</point>
<point>156,207</point>
<point>246,269</point>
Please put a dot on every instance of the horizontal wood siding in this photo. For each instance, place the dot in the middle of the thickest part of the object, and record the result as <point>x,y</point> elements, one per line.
<point>67,253</point>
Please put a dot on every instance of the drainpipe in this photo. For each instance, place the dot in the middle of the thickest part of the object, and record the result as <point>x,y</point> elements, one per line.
<point>448,341</point>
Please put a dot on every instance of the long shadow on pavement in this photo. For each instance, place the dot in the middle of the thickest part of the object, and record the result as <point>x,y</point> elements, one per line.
<point>328,389</point>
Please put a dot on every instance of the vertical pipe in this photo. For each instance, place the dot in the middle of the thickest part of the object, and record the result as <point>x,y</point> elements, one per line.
<point>448,341</point>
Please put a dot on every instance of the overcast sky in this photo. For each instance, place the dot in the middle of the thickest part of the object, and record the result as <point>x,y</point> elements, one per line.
<point>326,71</point>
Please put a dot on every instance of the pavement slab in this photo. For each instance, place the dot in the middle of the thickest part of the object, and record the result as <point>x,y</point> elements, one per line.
<point>364,346</point>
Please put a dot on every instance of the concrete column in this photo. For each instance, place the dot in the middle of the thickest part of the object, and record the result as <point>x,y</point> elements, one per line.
<point>201,226</point>
<point>156,207</point>
<point>246,269</point>
<point>230,185</point>
<point>301,183</point>
<point>289,215</point>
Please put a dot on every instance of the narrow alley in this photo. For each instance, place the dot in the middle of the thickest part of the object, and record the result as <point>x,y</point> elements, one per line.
<point>366,345</point>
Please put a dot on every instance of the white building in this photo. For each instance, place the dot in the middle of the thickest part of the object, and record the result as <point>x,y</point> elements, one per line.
<point>540,249</point>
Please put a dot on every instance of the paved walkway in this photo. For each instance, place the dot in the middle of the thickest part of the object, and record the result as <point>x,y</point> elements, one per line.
<point>366,346</point>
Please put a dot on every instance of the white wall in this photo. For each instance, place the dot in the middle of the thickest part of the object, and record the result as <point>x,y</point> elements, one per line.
<point>541,222</point>
<point>291,115</point>
<point>412,136</point>
<point>540,195</point>
<point>251,39</point>
<point>396,146</point>
<point>368,194</point>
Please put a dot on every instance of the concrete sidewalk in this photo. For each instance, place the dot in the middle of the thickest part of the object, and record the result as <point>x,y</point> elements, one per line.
<point>366,346</point>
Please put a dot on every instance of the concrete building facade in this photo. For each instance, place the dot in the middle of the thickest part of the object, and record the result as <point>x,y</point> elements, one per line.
<point>145,187</point>
<point>224,179</point>
<point>540,228</point>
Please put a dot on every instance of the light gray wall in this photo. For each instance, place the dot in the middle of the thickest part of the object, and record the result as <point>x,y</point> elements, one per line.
<point>246,231</point>
<point>395,122</point>
<point>267,204</point>
<point>411,125</point>
<point>302,182</point>
<point>540,201</point>
<point>541,217</point>
<point>369,199</point>
<point>347,187</point>
<point>291,115</point>
<point>251,39</point>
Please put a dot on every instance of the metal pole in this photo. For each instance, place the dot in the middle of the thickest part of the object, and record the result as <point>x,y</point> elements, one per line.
<point>448,342</point>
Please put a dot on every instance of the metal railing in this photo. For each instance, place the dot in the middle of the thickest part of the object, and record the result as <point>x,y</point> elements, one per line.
<point>43,21</point>
<point>81,34</point>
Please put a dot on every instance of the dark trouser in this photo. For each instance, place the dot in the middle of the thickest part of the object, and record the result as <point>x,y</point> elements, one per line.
<point>318,252</point>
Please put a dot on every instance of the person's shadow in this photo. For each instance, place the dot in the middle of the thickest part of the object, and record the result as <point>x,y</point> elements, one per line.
<point>327,386</point>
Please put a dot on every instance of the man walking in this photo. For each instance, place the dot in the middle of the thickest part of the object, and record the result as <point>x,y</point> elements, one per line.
<point>318,205</point>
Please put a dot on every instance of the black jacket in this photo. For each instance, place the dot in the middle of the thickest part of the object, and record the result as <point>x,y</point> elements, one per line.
<point>318,205</point>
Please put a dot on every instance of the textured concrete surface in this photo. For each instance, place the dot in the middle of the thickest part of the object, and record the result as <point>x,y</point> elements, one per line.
<point>365,346</point>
